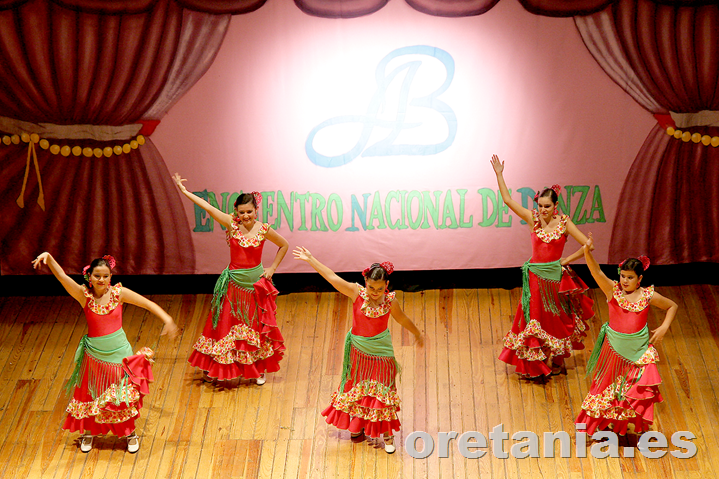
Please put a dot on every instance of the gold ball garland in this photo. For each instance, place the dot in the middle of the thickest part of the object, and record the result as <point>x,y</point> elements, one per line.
<point>685,136</point>
<point>66,150</point>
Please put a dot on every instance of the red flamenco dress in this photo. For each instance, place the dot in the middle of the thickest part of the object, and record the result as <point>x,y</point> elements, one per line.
<point>241,337</point>
<point>626,380</point>
<point>109,381</point>
<point>551,318</point>
<point>367,396</point>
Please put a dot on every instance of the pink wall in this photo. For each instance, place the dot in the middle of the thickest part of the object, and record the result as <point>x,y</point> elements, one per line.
<point>524,87</point>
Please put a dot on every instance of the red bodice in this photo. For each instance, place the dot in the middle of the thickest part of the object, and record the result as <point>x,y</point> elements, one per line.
<point>548,246</point>
<point>106,318</point>
<point>245,252</point>
<point>626,317</point>
<point>368,321</point>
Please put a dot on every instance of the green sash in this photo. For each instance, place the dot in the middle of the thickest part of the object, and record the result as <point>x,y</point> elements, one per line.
<point>244,278</point>
<point>111,348</point>
<point>379,345</point>
<point>630,346</point>
<point>549,271</point>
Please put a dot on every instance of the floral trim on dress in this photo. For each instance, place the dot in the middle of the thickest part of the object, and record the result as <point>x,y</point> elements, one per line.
<point>600,405</point>
<point>580,330</point>
<point>650,356</point>
<point>634,307</point>
<point>376,311</point>
<point>107,308</point>
<point>549,236</point>
<point>245,242</point>
<point>148,353</point>
<point>112,395</point>
<point>552,345</point>
<point>224,352</point>
<point>348,402</point>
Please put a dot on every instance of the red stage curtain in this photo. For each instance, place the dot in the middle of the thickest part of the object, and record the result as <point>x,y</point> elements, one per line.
<point>100,62</point>
<point>667,58</point>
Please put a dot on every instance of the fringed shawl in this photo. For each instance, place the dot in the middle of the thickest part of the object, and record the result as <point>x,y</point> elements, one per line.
<point>547,273</point>
<point>376,349</point>
<point>630,347</point>
<point>102,358</point>
<point>244,279</point>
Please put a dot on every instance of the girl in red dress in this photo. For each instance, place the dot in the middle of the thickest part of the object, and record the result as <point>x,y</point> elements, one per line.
<point>109,381</point>
<point>626,380</point>
<point>366,402</point>
<point>551,319</point>
<point>241,338</point>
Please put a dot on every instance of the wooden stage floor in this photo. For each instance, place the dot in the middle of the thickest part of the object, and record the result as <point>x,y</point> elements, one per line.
<point>191,429</point>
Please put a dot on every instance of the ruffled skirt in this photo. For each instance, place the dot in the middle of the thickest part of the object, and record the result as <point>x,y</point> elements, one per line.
<point>246,342</point>
<point>369,399</point>
<point>109,395</point>
<point>558,314</point>
<point>623,394</point>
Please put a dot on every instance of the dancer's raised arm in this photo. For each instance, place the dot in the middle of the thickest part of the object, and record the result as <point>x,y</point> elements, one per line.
<point>344,287</point>
<point>603,281</point>
<point>580,238</point>
<point>220,216</point>
<point>513,205</point>
<point>74,289</point>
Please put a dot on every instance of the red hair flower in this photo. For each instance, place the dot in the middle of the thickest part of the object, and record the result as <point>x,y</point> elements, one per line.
<point>387,266</point>
<point>258,198</point>
<point>110,260</point>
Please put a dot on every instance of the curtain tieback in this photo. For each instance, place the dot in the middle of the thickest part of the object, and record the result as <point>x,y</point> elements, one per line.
<point>41,196</point>
<point>70,132</point>
<point>701,118</point>
<point>31,132</point>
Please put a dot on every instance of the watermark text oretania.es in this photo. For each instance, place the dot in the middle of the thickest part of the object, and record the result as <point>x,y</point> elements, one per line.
<point>474,445</point>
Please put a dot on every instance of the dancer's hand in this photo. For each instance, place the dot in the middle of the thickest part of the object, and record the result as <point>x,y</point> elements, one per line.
<point>419,340</point>
<point>268,273</point>
<point>40,260</point>
<point>590,243</point>
<point>658,334</point>
<point>302,253</point>
<point>497,165</point>
<point>170,329</point>
<point>179,182</point>
<point>564,261</point>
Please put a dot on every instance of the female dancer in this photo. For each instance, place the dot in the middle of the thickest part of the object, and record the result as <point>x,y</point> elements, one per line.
<point>241,338</point>
<point>626,380</point>
<point>109,381</point>
<point>550,321</point>
<point>366,402</point>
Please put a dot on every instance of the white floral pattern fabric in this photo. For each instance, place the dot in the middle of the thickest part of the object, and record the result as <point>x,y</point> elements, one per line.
<point>376,311</point>
<point>636,306</point>
<point>106,308</point>
<point>549,236</point>
<point>245,242</point>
